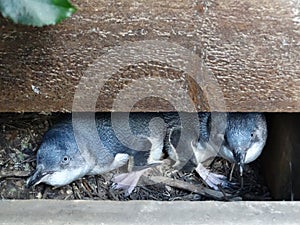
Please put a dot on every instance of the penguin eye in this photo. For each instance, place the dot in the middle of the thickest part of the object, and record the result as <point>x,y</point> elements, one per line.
<point>252,135</point>
<point>65,159</point>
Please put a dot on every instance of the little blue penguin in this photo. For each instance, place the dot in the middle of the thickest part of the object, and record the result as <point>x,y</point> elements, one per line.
<point>236,137</point>
<point>60,161</point>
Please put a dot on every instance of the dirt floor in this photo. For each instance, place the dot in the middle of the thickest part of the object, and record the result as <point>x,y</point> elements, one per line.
<point>21,135</point>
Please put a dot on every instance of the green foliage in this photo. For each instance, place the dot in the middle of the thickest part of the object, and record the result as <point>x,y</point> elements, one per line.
<point>36,12</point>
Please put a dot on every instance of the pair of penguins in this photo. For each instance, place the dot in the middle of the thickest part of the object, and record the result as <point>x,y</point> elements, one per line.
<point>90,144</point>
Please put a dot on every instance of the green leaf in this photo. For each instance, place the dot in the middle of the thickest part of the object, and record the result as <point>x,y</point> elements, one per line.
<point>36,12</point>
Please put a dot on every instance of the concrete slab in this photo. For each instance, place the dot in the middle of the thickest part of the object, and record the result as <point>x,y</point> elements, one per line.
<point>147,212</point>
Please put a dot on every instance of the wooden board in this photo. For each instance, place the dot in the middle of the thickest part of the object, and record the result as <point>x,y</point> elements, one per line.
<point>215,55</point>
<point>281,157</point>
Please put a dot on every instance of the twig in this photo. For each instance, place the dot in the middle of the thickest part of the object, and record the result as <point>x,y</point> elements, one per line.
<point>189,187</point>
<point>4,174</point>
<point>86,188</point>
<point>231,172</point>
<point>76,190</point>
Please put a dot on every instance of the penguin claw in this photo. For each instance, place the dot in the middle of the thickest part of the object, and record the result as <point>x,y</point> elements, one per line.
<point>127,181</point>
<point>213,180</point>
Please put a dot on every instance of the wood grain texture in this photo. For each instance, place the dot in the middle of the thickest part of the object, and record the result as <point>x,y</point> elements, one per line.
<point>250,49</point>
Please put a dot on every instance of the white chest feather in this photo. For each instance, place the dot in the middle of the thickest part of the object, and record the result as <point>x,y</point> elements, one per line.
<point>254,151</point>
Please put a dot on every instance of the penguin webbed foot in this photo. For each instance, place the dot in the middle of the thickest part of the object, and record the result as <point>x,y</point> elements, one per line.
<point>213,180</point>
<point>127,181</point>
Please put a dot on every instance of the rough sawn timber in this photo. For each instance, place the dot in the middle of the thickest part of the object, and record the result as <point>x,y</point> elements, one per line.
<point>248,49</point>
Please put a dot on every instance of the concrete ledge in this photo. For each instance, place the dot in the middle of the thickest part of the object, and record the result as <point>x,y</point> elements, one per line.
<point>147,212</point>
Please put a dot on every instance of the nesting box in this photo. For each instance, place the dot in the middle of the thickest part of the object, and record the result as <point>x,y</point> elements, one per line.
<point>166,56</point>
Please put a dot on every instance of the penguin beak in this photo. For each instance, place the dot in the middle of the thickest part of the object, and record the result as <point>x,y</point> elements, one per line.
<point>240,159</point>
<point>241,166</point>
<point>37,177</point>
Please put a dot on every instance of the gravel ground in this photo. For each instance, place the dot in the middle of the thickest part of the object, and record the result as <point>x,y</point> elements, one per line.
<point>21,135</point>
